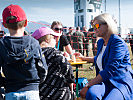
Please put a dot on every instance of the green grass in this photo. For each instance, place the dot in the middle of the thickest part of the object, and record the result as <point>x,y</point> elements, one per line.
<point>85,72</point>
<point>89,74</point>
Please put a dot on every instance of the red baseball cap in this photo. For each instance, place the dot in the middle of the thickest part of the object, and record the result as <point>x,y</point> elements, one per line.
<point>13,13</point>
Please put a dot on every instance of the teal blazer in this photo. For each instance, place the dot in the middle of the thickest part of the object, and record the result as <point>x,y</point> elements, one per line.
<point>116,65</point>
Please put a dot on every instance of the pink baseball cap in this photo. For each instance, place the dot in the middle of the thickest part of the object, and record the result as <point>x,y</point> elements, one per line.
<point>44,31</point>
<point>13,13</point>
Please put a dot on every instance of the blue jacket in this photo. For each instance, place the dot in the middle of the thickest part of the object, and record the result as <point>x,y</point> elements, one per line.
<point>22,63</point>
<point>116,65</point>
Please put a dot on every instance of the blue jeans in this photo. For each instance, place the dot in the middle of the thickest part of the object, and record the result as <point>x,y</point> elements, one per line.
<point>24,95</point>
<point>103,92</point>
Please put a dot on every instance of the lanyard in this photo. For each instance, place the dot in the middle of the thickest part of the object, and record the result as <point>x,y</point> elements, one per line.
<point>58,45</point>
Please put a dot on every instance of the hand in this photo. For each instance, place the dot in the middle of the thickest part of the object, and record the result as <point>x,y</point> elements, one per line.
<point>77,54</point>
<point>95,45</point>
<point>83,92</point>
<point>82,58</point>
<point>66,54</point>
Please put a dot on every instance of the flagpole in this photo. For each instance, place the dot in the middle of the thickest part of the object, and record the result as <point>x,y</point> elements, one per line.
<point>119,19</point>
<point>105,5</point>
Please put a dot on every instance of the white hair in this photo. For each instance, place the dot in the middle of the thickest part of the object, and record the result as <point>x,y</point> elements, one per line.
<point>111,23</point>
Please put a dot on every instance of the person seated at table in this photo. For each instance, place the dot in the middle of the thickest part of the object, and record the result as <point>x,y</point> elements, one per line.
<point>60,76</point>
<point>61,41</point>
<point>114,75</point>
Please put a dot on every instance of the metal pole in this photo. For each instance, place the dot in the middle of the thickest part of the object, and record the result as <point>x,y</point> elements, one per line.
<point>105,5</point>
<point>77,90</point>
<point>119,19</point>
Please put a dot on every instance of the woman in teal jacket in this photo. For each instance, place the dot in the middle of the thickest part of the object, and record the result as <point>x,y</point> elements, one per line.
<point>114,80</point>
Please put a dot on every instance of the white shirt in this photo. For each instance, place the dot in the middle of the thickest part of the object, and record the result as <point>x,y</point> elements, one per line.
<point>99,58</point>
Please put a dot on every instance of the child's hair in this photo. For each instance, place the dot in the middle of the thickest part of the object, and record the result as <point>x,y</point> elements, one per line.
<point>15,25</point>
<point>45,38</point>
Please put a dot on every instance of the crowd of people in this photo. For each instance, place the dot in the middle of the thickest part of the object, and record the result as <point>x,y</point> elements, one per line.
<point>80,40</point>
<point>34,67</point>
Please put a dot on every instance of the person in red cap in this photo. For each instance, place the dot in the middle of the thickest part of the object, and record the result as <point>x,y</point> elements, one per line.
<point>60,74</point>
<point>20,57</point>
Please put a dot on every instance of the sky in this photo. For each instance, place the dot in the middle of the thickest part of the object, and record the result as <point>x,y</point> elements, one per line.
<point>63,10</point>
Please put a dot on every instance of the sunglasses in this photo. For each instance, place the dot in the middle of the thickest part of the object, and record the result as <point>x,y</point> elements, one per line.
<point>57,29</point>
<point>97,26</point>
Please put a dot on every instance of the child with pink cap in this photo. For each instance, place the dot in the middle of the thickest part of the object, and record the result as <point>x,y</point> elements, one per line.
<point>60,74</point>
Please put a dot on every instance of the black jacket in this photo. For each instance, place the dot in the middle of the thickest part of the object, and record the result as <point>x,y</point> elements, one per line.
<point>60,75</point>
<point>22,63</point>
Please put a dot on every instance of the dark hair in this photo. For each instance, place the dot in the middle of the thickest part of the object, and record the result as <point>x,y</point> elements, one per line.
<point>56,23</point>
<point>26,33</point>
<point>2,32</point>
<point>78,28</point>
<point>15,25</point>
<point>91,29</point>
<point>70,28</point>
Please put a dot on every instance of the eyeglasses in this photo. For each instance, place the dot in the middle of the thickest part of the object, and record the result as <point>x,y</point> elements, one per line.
<point>57,29</point>
<point>97,26</point>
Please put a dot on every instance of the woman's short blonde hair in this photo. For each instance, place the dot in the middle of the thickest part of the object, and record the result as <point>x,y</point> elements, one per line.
<point>111,23</point>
